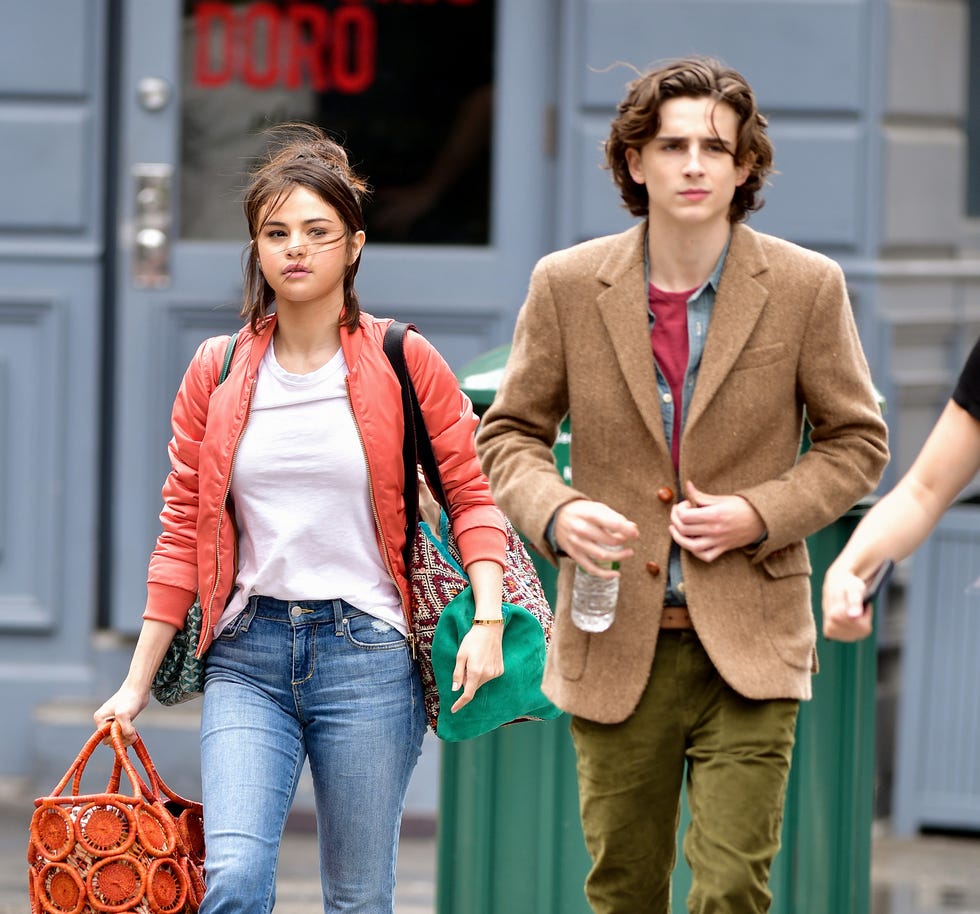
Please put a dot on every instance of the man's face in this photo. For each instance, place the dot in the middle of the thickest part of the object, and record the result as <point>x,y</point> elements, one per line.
<point>689,167</point>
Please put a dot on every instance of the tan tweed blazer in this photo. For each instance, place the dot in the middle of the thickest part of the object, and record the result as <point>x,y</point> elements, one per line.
<point>782,339</point>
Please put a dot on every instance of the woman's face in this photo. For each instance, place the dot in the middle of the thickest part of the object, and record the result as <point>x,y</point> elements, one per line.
<point>304,250</point>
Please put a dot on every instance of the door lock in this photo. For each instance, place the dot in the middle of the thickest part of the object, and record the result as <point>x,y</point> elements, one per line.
<point>153,93</point>
<point>152,227</point>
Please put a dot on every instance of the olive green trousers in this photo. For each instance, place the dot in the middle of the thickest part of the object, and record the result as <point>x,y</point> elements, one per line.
<point>737,752</point>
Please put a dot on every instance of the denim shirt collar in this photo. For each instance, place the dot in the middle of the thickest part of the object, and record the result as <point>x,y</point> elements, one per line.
<point>713,280</point>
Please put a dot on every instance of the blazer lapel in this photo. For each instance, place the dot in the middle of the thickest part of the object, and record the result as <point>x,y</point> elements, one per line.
<point>623,307</point>
<point>738,305</point>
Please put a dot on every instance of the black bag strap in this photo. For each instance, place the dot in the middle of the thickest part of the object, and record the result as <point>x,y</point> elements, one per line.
<point>416,447</point>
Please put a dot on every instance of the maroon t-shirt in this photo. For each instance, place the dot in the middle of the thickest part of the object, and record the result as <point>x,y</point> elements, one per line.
<point>671,350</point>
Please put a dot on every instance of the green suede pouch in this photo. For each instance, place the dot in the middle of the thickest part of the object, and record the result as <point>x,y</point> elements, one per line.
<point>516,695</point>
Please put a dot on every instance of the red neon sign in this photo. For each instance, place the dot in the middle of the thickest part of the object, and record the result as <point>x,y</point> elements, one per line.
<point>264,45</point>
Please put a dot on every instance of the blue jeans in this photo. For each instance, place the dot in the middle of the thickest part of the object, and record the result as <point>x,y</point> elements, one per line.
<point>291,680</point>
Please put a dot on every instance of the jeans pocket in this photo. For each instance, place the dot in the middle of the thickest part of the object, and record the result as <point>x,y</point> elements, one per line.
<point>239,625</point>
<point>369,633</point>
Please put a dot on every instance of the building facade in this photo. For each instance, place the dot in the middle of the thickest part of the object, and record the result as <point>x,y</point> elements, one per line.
<point>479,124</point>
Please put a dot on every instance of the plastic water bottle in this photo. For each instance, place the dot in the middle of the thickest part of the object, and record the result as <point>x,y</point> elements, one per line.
<point>594,598</point>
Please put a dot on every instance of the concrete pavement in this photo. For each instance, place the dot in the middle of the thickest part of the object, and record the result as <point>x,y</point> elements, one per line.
<point>928,874</point>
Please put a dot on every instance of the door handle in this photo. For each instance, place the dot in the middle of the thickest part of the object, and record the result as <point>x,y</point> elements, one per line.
<point>153,225</point>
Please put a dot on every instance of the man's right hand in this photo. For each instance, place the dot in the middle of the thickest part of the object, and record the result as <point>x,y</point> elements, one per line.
<point>586,530</point>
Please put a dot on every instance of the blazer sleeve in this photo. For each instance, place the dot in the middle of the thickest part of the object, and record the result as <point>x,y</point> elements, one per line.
<point>848,437</point>
<point>519,430</point>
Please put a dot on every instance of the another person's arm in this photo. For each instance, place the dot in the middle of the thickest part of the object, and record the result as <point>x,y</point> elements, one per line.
<point>901,521</point>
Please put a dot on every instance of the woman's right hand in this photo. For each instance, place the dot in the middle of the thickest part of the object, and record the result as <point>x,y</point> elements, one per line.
<point>123,707</point>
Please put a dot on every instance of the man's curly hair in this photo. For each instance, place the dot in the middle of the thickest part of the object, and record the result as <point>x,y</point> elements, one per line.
<point>637,122</point>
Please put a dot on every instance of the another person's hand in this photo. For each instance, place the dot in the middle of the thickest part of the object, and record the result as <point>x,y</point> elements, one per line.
<point>587,529</point>
<point>845,615</point>
<point>479,659</point>
<point>708,526</point>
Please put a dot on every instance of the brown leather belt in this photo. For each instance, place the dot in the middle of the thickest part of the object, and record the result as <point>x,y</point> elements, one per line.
<point>675,617</point>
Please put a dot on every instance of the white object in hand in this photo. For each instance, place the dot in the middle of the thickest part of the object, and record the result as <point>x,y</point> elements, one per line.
<point>594,598</point>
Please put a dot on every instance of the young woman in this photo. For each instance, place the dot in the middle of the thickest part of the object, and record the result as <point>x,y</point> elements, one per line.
<point>898,524</point>
<point>284,511</point>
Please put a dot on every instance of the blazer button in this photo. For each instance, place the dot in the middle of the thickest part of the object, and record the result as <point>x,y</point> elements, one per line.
<point>665,494</point>
<point>653,568</point>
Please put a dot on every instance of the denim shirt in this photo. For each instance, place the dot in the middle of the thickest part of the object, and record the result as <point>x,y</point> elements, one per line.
<point>699,308</point>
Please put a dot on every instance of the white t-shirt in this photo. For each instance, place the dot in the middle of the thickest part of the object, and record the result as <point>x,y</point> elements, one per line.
<point>306,528</point>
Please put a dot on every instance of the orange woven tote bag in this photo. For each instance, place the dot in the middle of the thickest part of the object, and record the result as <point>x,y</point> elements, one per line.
<point>113,852</point>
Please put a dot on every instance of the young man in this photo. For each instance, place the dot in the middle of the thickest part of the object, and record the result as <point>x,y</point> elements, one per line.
<point>685,351</point>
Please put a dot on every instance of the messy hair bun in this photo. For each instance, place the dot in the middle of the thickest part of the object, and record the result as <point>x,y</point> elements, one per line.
<point>299,142</point>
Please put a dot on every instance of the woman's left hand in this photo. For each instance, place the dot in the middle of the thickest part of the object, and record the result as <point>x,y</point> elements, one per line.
<point>479,659</point>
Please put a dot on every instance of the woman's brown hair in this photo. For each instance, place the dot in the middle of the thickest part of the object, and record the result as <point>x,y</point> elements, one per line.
<point>637,122</point>
<point>302,155</point>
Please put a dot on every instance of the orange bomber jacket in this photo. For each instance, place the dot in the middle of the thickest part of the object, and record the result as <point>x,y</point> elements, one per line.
<point>196,551</point>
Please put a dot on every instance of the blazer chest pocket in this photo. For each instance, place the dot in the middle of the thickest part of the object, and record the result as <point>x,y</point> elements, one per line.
<point>760,356</point>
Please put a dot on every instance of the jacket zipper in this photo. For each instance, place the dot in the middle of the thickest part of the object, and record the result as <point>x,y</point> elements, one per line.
<point>410,637</point>
<point>206,625</point>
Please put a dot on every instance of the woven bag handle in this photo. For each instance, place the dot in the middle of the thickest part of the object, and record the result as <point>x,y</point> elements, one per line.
<point>158,787</point>
<point>113,731</point>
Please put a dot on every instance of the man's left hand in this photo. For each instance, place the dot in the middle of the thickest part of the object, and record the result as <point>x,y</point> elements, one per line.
<point>708,526</point>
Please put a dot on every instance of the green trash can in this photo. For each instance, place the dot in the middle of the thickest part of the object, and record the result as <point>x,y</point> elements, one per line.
<point>509,836</point>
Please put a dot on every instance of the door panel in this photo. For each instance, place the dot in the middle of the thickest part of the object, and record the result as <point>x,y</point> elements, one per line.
<point>51,208</point>
<point>200,80</point>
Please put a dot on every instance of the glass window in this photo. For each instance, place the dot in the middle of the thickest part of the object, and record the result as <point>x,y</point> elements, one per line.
<point>405,85</point>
